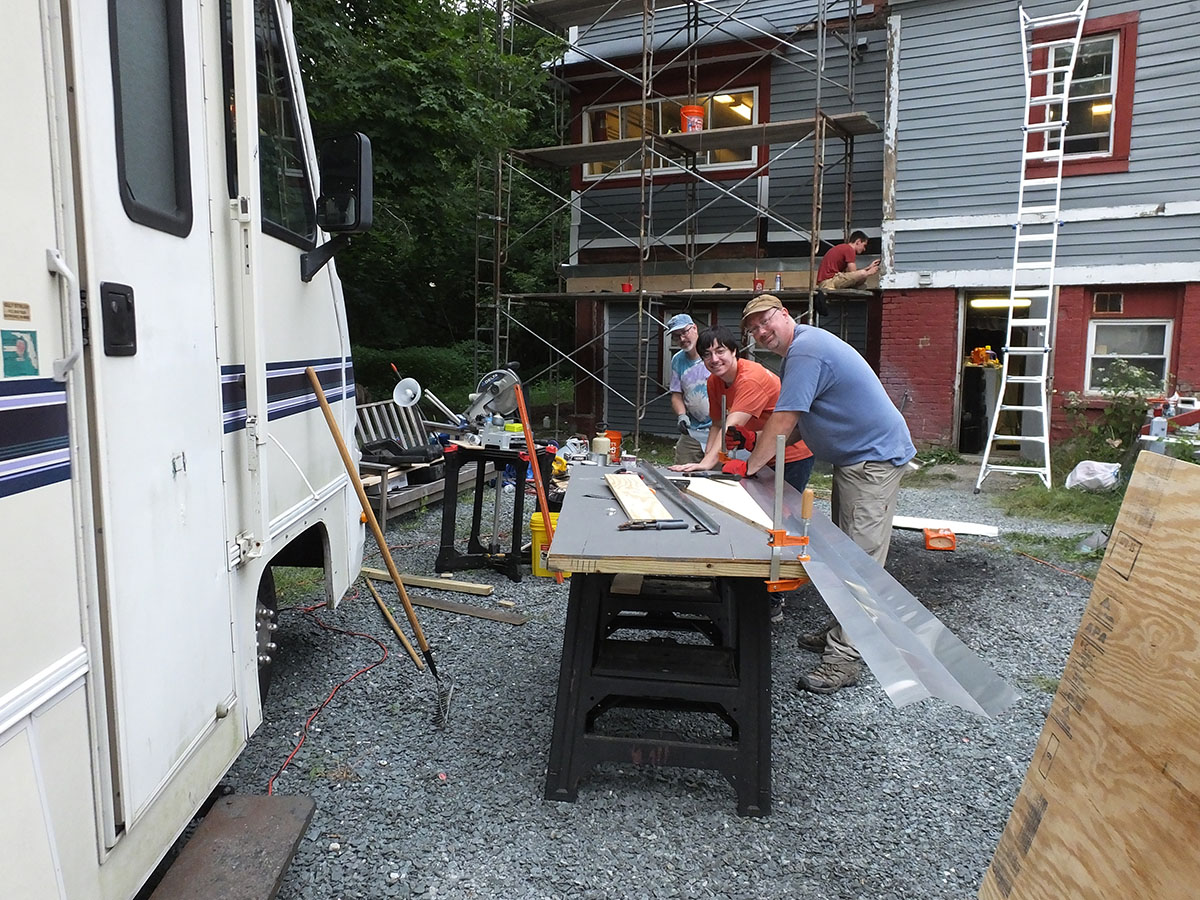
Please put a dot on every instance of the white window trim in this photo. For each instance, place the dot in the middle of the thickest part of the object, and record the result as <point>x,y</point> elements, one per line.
<point>663,169</point>
<point>1168,334</point>
<point>1114,80</point>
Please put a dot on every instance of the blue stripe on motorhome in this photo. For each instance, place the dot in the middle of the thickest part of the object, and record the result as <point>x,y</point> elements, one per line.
<point>34,448</point>
<point>288,390</point>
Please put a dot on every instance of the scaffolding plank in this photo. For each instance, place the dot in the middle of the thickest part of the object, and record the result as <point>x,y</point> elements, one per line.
<point>738,137</point>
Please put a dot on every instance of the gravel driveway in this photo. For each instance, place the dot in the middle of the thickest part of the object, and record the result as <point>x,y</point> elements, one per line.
<point>868,801</point>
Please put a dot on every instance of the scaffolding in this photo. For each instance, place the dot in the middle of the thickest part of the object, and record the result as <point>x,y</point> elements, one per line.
<point>655,160</point>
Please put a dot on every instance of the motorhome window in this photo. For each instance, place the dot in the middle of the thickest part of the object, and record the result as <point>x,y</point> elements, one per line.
<point>151,113</point>
<point>288,209</point>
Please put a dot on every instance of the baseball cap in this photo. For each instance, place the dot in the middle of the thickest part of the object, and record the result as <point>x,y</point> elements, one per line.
<point>679,322</point>
<point>761,303</point>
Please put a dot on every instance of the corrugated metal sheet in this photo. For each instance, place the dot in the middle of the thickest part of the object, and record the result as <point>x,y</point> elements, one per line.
<point>960,105</point>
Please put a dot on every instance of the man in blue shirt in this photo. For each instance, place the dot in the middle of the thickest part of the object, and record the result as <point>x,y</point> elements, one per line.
<point>835,400</point>
<point>689,391</point>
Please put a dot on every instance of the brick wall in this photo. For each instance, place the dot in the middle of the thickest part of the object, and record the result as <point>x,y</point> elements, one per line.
<point>919,359</point>
<point>1187,342</point>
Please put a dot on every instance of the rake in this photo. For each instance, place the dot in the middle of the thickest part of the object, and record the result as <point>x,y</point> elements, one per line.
<point>445,685</point>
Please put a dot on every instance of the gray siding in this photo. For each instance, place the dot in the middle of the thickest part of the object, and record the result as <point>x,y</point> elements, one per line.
<point>958,146</point>
<point>793,96</point>
<point>618,37</point>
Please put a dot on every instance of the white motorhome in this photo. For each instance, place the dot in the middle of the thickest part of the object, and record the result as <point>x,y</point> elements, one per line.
<point>160,446</point>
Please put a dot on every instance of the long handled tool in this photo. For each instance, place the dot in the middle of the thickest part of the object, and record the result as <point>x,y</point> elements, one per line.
<point>391,620</point>
<point>531,449</point>
<point>444,690</point>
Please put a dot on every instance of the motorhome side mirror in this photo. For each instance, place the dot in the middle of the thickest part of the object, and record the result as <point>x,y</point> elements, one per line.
<point>345,204</point>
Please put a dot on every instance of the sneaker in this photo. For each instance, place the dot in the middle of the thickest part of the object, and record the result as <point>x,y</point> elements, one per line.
<point>831,675</point>
<point>814,641</point>
<point>776,611</point>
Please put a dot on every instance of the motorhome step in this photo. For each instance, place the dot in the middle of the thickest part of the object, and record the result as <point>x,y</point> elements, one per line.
<point>1039,211</point>
<point>1049,70</point>
<point>1021,407</point>
<point>1018,470</point>
<point>1067,18</point>
<point>240,850</point>
<point>1026,379</point>
<point>1026,351</point>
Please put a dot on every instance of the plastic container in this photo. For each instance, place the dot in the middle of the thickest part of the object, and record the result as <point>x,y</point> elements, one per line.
<point>601,445</point>
<point>541,544</point>
<point>691,118</point>
<point>614,447</point>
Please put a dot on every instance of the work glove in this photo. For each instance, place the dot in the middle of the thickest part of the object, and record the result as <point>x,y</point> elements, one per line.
<point>684,425</point>
<point>739,438</point>
<point>734,467</point>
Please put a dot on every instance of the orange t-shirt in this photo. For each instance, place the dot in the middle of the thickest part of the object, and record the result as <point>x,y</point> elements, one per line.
<point>754,391</point>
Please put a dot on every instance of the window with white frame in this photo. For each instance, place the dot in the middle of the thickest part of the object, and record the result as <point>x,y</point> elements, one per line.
<point>1145,343</point>
<point>1093,96</point>
<point>617,121</point>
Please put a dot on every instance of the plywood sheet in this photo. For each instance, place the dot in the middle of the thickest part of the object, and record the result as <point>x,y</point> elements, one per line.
<point>635,498</point>
<point>1109,805</point>
<point>731,497</point>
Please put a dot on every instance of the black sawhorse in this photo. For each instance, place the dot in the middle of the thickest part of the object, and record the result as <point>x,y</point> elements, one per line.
<point>450,558</point>
<point>729,675</point>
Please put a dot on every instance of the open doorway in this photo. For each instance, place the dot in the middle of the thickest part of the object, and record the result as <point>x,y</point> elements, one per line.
<point>985,323</point>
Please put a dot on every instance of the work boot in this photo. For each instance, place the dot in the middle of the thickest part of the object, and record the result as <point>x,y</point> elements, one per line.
<point>831,675</point>
<point>776,613</point>
<point>814,641</point>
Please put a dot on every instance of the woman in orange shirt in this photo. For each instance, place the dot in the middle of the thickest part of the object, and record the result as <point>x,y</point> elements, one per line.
<point>750,391</point>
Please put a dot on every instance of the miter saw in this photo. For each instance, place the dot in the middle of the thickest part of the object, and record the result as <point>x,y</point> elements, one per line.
<point>487,414</point>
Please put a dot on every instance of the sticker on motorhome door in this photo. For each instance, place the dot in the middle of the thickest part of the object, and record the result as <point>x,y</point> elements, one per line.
<point>18,312</point>
<point>20,353</point>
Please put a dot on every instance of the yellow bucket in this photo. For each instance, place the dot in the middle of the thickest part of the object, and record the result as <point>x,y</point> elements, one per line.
<point>541,544</point>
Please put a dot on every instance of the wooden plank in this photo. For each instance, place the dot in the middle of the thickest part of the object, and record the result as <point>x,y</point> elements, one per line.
<point>919,524</point>
<point>240,850</point>
<point>731,497</point>
<point>635,498</point>
<point>737,137</point>
<point>1108,806</point>
<point>467,609</point>
<point>441,584</point>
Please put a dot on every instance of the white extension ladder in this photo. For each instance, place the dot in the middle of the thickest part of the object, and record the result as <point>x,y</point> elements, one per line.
<point>1024,378</point>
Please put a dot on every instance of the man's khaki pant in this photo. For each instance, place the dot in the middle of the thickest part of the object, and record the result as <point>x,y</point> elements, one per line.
<point>839,281</point>
<point>688,450</point>
<point>862,506</point>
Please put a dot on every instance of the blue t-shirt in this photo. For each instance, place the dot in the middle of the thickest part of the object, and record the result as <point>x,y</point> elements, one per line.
<point>689,377</point>
<point>846,417</point>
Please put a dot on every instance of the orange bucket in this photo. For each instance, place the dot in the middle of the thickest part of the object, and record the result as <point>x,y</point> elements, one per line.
<point>614,447</point>
<point>691,118</point>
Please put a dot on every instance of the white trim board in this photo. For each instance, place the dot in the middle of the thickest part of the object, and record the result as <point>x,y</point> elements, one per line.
<point>916,524</point>
<point>1142,273</point>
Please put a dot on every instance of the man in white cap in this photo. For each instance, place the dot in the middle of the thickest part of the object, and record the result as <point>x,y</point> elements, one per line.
<point>689,391</point>
<point>835,400</point>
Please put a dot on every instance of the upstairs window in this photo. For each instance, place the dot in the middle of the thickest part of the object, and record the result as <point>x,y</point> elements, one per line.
<point>1100,102</point>
<point>618,121</point>
<point>1093,96</point>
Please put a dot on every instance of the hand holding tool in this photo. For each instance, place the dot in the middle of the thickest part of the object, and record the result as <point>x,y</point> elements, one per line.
<point>739,438</point>
<point>734,467</point>
<point>653,525</point>
<point>684,425</point>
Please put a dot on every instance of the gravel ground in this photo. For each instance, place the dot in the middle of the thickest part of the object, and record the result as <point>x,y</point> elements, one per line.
<point>868,801</point>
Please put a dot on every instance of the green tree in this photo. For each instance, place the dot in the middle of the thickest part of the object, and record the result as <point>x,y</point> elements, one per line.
<point>420,78</point>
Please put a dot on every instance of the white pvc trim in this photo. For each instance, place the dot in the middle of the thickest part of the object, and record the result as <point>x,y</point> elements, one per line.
<point>1141,273</point>
<point>43,688</point>
<point>1085,214</point>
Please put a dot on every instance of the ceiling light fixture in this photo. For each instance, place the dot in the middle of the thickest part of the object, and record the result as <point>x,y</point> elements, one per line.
<point>724,98</point>
<point>1101,109</point>
<point>1000,303</point>
<point>742,110</point>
